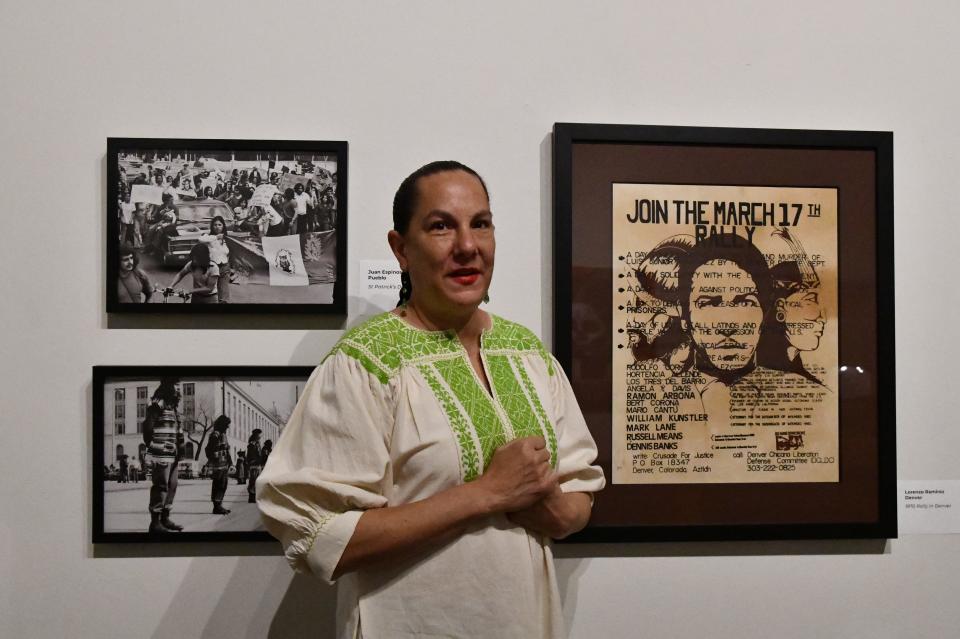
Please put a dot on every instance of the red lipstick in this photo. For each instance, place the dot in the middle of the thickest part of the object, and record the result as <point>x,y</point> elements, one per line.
<point>465,276</point>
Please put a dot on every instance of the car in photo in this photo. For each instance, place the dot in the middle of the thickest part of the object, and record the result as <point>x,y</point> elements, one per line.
<point>193,220</point>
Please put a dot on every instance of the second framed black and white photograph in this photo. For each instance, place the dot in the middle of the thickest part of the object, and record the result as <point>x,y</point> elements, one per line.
<point>224,226</point>
<point>177,449</point>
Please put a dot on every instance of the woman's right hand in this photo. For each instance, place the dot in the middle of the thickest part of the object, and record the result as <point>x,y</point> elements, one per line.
<point>519,475</point>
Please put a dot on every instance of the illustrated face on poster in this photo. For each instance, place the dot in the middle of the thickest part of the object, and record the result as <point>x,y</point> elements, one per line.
<point>725,307</point>
<point>725,314</point>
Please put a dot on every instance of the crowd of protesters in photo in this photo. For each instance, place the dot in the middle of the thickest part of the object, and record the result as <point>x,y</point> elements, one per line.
<point>309,205</point>
<point>302,199</point>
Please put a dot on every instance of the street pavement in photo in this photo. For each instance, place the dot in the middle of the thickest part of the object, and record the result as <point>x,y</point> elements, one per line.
<point>126,507</point>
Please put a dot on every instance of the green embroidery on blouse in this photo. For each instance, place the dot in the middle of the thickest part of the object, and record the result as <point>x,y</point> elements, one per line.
<point>480,423</point>
<point>549,431</point>
<point>509,337</point>
<point>469,462</point>
<point>511,396</point>
<point>520,401</point>
<point>459,375</point>
<point>385,343</point>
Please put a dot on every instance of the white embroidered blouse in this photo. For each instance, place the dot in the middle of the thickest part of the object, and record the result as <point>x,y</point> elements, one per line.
<point>395,414</point>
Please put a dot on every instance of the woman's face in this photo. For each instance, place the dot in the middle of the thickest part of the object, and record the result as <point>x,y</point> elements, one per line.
<point>449,246</point>
<point>803,318</point>
<point>217,227</point>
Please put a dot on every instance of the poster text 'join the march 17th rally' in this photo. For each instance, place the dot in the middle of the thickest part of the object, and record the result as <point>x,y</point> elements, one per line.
<point>725,350</point>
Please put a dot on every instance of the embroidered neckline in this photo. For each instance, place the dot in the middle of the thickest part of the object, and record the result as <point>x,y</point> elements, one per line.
<point>385,343</point>
<point>481,421</point>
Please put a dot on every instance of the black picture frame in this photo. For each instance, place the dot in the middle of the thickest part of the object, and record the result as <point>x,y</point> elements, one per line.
<point>587,160</point>
<point>248,257</point>
<point>121,511</point>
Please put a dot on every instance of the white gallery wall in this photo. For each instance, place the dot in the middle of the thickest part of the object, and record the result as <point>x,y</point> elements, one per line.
<point>406,83</point>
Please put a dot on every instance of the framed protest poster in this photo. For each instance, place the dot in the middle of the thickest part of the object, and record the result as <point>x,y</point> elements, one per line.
<point>177,449</point>
<point>723,303</point>
<point>226,226</point>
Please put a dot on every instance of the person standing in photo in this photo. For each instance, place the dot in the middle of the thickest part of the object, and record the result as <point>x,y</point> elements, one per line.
<point>326,206</point>
<point>241,467</point>
<point>128,220</point>
<point>313,210</point>
<point>218,461</point>
<point>164,439</point>
<point>254,464</point>
<point>216,241</point>
<point>303,202</point>
<point>289,211</point>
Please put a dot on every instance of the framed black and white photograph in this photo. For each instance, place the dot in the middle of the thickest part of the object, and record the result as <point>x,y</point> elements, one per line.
<point>724,307</point>
<point>177,449</point>
<point>226,226</point>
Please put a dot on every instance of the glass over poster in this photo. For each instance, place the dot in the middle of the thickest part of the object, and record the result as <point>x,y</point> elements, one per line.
<point>723,305</point>
<point>725,358</point>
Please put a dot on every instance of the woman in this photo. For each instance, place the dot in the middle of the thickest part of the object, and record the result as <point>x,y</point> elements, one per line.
<point>437,448</point>
<point>216,241</point>
<point>205,275</point>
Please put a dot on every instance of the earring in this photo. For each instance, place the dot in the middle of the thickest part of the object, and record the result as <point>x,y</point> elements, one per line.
<point>486,298</point>
<point>781,317</point>
<point>405,288</point>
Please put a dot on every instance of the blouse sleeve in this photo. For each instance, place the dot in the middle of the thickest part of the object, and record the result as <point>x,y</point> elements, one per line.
<point>331,463</point>
<point>576,450</point>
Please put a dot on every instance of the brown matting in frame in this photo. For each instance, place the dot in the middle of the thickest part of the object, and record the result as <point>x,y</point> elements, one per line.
<point>854,499</point>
